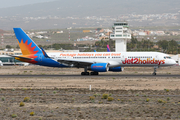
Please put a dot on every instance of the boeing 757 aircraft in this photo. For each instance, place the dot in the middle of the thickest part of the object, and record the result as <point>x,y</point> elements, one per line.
<point>92,61</point>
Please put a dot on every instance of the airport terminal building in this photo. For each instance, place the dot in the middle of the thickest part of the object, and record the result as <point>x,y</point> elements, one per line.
<point>6,59</point>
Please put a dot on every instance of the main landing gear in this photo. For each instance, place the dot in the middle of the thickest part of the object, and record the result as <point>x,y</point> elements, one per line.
<point>94,73</point>
<point>87,73</point>
<point>154,73</point>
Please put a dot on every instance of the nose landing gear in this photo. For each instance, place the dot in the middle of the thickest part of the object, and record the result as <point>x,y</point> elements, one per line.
<point>154,73</point>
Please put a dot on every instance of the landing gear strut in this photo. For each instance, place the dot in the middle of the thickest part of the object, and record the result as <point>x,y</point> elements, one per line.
<point>85,71</point>
<point>154,73</point>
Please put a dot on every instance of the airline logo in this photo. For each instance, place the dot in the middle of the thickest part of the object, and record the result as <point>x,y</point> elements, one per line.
<point>97,66</point>
<point>28,51</point>
<point>139,61</point>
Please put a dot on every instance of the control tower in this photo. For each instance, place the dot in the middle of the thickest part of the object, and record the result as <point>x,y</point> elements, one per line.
<point>120,34</point>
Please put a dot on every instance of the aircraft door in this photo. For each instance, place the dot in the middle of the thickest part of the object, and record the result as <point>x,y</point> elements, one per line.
<point>123,58</point>
<point>156,56</point>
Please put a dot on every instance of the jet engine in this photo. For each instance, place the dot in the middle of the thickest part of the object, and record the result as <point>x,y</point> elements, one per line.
<point>99,67</point>
<point>116,69</point>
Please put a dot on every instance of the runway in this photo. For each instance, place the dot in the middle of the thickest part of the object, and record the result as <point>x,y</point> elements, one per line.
<point>89,76</point>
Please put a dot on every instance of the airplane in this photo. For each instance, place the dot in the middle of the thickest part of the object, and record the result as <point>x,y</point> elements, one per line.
<point>90,61</point>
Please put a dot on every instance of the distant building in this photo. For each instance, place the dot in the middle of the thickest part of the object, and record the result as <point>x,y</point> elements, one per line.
<point>86,31</point>
<point>108,33</point>
<point>39,36</point>
<point>59,32</point>
<point>160,33</point>
<point>175,33</point>
<point>10,52</point>
<point>7,60</point>
<point>104,37</point>
<point>101,35</point>
<point>142,33</point>
<point>107,30</point>
<point>156,46</point>
<point>85,38</point>
<point>41,32</point>
<point>101,31</point>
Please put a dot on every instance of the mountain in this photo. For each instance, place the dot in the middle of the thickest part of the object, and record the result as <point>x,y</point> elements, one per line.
<point>81,8</point>
<point>73,13</point>
<point>12,3</point>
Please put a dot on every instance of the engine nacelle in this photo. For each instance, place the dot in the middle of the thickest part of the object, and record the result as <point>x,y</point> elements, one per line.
<point>99,67</point>
<point>116,69</point>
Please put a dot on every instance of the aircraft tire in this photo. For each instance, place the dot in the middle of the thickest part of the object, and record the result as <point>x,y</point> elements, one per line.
<point>94,73</point>
<point>84,73</point>
<point>154,74</point>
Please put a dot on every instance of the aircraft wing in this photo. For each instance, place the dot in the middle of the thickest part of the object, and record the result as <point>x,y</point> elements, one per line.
<point>83,63</point>
<point>75,63</point>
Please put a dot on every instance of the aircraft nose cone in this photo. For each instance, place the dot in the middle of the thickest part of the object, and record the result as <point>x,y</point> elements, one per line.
<point>173,62</point>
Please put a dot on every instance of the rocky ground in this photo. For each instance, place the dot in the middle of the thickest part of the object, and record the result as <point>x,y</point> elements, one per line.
<point>70,98</point>
<point>84,104</point>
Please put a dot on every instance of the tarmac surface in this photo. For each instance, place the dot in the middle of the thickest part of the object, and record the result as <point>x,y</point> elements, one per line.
<point>87,76</point>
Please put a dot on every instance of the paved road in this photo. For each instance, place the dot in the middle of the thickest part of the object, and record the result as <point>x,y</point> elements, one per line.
<point>89,76</point>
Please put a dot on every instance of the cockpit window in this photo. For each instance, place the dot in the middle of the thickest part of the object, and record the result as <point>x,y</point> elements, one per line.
<point>167,57</point>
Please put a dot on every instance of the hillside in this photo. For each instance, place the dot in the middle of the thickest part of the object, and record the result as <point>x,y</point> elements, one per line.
<point>2,32</point>
<point>93,8</point>
<point>85,13</point>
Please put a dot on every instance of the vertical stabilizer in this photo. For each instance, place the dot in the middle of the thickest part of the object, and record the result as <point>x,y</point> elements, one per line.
<point>27,46</point>
<point>108,49</point>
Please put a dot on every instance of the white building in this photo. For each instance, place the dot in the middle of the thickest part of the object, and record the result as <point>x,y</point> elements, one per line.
<point>142,33</point>
<point>121,34</point>
<point>39,36</point>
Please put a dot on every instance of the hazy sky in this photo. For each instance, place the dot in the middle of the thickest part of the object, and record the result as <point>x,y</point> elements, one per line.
<point>11,3</point>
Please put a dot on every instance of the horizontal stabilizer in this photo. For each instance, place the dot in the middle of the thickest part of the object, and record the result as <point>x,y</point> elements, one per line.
<point>19,57</point>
